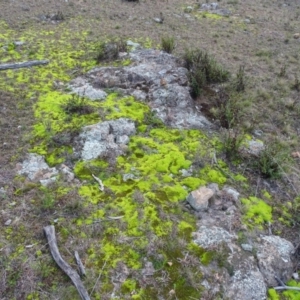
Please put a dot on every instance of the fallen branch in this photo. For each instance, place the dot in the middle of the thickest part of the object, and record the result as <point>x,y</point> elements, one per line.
<point>50,235</point>
<point>293,288</point>
<point>79,264</point>
<point>101,186</point>
<point>284,287</point>
<point>25,64</point>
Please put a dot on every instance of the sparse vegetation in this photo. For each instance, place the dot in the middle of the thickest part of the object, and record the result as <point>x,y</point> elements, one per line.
<point>77,105</point>
<point>203,70</point>
<point>168,44</point>
<point>272,160</point>
<point>38,115</point>
<point>108,51</point>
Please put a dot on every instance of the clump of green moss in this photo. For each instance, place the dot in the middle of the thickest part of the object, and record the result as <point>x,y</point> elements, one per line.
<point>257,212</point>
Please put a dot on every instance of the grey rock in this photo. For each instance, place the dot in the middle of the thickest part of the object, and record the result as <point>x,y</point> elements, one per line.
<point>128,176</point>
<point>199,199</point>
<point>85,89</point>
<point>246,285</point>
<point>253,147</point>
<point>274,256</point>
<point>36,169</point>
<point>232,192</point>
<point>186,173</point>
<point>154,76</point>
<point>258,132</point>
<point>8,222</point>
<point>104,138</point>
<point>19,43</point>
<point>247,247</point>
<point>188,9</point>
<point>210,6</point>
<point>214,187</point>
<point>133,45</point>
<point>212,236</point>
<point>67,173</point>
<point>3,193</point>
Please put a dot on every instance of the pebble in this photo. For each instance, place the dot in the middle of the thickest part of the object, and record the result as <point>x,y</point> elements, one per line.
<point>8,222</point>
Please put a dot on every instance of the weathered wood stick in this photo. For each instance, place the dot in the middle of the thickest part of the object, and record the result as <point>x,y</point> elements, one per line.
<point>79,264</point>
<point>25,64</point>
<point>50,235</point>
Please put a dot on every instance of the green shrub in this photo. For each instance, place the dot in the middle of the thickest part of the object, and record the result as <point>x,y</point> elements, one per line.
<point>232,140</point>
<point>239,84</point>
<point>168,44</point>
<point>203,70</point>
<point>108,51</point>
<point>272,160</point>
<point>77,105</point>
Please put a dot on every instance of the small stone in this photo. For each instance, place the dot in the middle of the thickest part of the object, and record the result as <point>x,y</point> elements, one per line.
<point>247,247</point>
<point>296,36</point>
<point>199,199</point>
<point>258,132</point>
<point>133,45</point>
<point>254,147</point>
<point>8,222</point>
<point>128,176</point>
<point>19,43</point>
<point>295,276</point>
<point>232,192</point>
<point>188,9</point>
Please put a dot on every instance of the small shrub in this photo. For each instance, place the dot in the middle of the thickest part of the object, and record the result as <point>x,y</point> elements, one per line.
<point>240,80</point>
<point>229,109</point>
<point>296,84</point>
<point>110,51</point>
<point>203,70</point>
<point>168,44</point>
<point>77,105</point>
<point>282,72</point>
<point>232,140</point>
<point>272,160</point>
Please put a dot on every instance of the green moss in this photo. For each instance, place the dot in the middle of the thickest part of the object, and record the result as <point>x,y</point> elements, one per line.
<point>84,170</point>
<point>193,182</point>
<point>212,175</point>
<point>185,229</point>
<point>175,193</point>
<point>127,107</point>
<point>273,295</point>
<point>257,212</point>
<point>290,294</point>
<point>128,286</point>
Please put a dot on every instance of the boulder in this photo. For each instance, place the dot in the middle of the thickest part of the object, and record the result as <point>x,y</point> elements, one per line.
<point>154,76</point>
<point>208,237</point>
<point>109,137</point>
<point>200,198</point>
<point>37,170</point>
<point>274,256</point>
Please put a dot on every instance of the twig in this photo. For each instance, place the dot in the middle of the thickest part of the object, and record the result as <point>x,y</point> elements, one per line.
<point>50,235</point>
<point>101,186</point>
<point>115,218</point>
<point>25,64</point>
<point>294,288</point>
<point>284,287</point>
<point>215,162</point>
<point>98,277</point>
